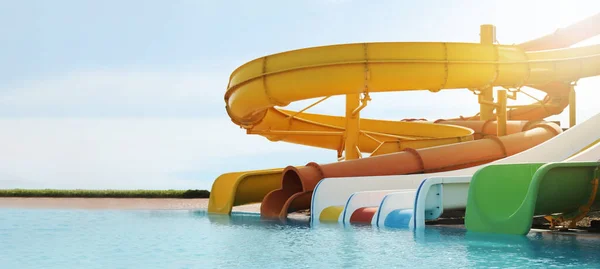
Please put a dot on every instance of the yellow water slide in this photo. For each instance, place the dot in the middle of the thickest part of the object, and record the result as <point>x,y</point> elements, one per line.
<point>257,88</point>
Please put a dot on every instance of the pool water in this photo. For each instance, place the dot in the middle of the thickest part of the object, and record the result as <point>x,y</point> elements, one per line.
<point>193,239</point>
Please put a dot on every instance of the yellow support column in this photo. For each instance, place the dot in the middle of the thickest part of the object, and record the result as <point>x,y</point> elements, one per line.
<point>487,35</point>
<point>572,107</point>
<point>486,112</point>
<point>352,126</point>
<point>501,112</point>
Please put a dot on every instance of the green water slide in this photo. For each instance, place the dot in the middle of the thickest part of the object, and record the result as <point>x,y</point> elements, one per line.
<point>504,198</point>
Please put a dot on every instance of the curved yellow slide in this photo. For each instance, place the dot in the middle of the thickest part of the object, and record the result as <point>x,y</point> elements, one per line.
<point>259,86</point>
<point>277,80</point>
<point>239,188</point>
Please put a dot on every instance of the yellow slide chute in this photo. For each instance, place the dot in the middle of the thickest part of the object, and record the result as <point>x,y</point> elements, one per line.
<point>277,80</point>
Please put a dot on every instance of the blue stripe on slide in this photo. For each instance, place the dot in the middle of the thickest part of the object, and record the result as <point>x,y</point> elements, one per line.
<point>415,203</point>
<point>312,201</point>
<point>379,209</point>
<point>346,207</point>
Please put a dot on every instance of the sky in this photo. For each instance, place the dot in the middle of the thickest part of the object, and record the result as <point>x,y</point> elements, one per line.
<point>129,94</point>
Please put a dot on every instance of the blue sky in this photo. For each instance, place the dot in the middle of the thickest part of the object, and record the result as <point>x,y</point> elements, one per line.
<point>113,94</point>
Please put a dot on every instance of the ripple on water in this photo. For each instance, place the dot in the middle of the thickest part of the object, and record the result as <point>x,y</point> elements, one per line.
<point>194,239</point>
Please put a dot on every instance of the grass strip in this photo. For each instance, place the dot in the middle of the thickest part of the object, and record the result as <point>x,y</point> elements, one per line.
<point>182,194</point>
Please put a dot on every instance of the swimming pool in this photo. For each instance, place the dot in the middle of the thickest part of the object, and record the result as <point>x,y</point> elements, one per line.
<point>31,238</point>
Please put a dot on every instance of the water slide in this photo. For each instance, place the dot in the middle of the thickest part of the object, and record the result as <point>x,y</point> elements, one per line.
<point>505,198</point>
<point>566,37</point>
<point>374,199</point>
<point>560,191</point>
<point>240,188</point>
<point>256,88</point>
<point>523,68</point>
<point>436,194</point>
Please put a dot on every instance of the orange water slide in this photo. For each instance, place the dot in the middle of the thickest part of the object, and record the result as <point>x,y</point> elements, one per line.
<point>567,36</point>
<point>298,183</point>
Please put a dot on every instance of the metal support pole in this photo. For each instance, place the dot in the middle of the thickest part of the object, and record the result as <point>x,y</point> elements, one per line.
<point>501,112</point>
<point>352,127</point>
<point>572,107</point>
<point>487,34</point>
<point>486,112</point>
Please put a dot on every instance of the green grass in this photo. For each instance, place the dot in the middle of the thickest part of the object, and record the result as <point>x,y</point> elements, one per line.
<point>182,194</point>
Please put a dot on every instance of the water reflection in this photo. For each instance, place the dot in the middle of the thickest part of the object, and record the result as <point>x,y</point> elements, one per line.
<point>248,219</point>
<point>196,239</point>
<point>448,243</point>
<point>537,248</point>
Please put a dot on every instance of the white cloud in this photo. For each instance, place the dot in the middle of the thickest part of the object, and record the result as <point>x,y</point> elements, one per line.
<point>116,93</point>
<point>121,152</point>
<point>72,149</point>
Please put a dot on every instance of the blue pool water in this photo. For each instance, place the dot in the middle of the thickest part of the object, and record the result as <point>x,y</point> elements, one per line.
<point>193,239</point>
